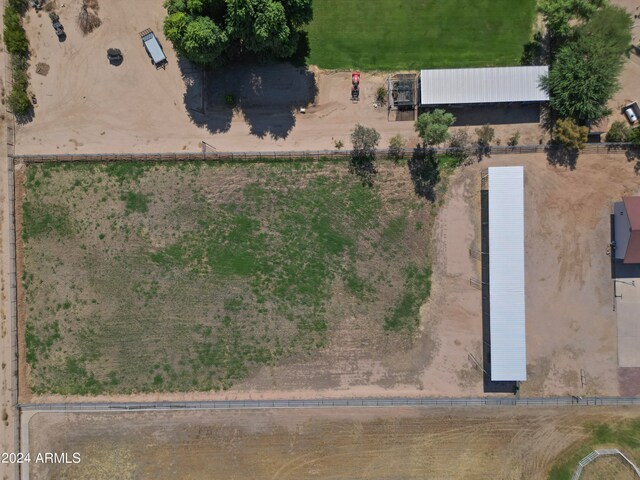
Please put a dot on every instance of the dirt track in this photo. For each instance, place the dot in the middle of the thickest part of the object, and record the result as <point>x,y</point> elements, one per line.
<point>515,443</point>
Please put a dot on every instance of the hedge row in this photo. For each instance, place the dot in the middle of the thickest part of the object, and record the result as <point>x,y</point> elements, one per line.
<point>17,44</point>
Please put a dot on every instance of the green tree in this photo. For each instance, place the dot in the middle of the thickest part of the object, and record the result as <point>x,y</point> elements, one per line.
<point>611,25</point>
<point>210,31</point>
<point>559,15</point>
<point>582,80</point>
<point>618,132</point>
<point>584,75</point>
<point>570,134</point>
<point>634,136</point>
<point>364,141</point>
<point>433,127</point>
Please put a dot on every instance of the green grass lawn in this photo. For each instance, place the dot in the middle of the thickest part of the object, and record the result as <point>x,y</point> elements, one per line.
<point>415,34</point>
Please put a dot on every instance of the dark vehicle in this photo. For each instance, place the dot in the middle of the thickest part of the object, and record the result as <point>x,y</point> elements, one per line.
<point>114,55</point>
<point>37,4</point>
<point>57,26</point>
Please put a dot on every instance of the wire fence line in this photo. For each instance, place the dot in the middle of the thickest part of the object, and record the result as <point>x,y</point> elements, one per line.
<point>615,148</point>
<point>598,453</point>
<point>10,142</point>
<point>332,403</point>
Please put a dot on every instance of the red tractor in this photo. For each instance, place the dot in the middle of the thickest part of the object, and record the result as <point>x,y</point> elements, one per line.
<point>355,86</point>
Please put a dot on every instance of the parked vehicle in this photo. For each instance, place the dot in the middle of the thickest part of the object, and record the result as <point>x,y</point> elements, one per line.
<point>114,55</point>
<point>57,26</point>
<point>153,48</point>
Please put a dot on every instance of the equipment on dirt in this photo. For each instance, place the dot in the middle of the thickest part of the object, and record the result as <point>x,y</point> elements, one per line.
<point>153,48</point>
<point>37,4</point>
<point>355,86</point>
<point>57,26</point>
<point>34,100</point>
<point>114,55</point>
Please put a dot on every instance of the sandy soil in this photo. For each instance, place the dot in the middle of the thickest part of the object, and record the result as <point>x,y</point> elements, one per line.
<point>86,105</point>
<point>515,443</point>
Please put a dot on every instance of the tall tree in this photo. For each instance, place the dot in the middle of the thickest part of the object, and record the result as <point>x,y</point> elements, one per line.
<point>433,127</point>
<point>559,15</point>
<point>210,31</point>
<point>585,74</point>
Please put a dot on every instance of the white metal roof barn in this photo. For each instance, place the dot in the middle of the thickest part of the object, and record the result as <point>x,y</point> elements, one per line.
<point>506,274</point>
<point>482,85</point>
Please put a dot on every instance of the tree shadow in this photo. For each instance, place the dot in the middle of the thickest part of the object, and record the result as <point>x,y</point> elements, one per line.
<point>559,156</point>
<point>536,52</point>
<point>364,167</point>
<point>423,168</point>
<point>633,155</point>
<point>267,95</point>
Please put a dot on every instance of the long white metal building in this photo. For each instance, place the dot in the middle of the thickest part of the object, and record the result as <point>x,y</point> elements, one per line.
<point>452,86</point>
<point>506,274</point>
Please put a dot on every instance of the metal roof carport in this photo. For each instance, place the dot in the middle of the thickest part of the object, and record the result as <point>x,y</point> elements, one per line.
<point>452,86</point>
<point>506,274</point>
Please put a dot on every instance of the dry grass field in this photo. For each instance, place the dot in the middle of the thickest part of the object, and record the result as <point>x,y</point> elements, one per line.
<point>514,443</point>
<point>180,277</point>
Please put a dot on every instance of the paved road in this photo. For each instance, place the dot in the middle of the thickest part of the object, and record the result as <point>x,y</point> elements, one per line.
<point>330,403</point>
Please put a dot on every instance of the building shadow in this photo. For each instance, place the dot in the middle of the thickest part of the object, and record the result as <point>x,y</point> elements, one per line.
<point>497,114</point>
<point>266,95</point>
<point>488,385</point>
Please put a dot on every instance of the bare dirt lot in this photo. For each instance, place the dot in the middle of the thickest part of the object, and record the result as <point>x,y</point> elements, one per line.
<point>85,105</point>
<point>571,325</point>
<point>514,443</point>
<point>179,277</point>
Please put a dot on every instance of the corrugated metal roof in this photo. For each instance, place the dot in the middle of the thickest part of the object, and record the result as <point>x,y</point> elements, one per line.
<point>153,47</point>
<point>506,274</point>
<point>482,85</point>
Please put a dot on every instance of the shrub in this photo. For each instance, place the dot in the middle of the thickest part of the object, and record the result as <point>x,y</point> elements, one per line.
<point>396,147</point>
<point>485,134</point>
<point>19,101</point>
<point>570,134</point>
<point>514,139</point>
<point>15,38</point>
<point>381,95</point>
<point>619,132</point>
<point>88,19</point>
<point>634,136</point>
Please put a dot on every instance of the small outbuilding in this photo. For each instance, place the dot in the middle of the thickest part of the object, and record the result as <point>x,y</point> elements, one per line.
<point>627,229</point>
